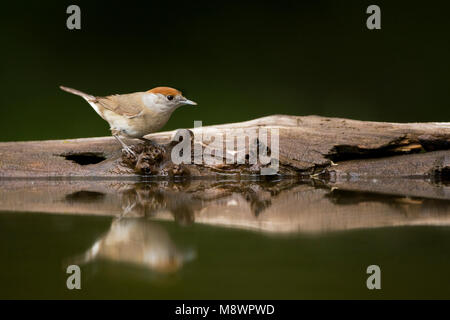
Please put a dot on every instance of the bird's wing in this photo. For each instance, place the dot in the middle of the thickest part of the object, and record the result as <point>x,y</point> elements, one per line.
<point>128,105</point>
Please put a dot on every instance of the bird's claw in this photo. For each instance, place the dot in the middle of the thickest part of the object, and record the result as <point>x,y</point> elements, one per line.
<point>129,151</point>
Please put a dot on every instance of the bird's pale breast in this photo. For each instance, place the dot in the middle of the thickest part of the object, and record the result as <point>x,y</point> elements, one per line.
<point>131,117</point>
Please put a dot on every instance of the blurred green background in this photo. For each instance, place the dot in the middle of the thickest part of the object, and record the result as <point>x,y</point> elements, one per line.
<point>239,60</point>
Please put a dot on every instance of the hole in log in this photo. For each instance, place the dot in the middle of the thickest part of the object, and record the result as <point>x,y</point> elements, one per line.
<point>445,174</point>
<point>85,158</point>
<point>348,197</point>
<point>85,196</point>
<point>442,175</point>
<point>352,152</point>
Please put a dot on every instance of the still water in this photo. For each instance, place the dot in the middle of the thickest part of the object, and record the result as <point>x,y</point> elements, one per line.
<point>221,240</point>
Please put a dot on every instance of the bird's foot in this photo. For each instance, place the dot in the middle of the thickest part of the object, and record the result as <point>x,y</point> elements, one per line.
<point>128,150</point>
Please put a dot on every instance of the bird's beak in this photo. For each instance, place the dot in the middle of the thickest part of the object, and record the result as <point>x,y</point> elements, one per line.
<point>190,102</point>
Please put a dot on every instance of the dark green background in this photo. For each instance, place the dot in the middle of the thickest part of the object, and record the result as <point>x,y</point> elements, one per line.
<point>239,60</point>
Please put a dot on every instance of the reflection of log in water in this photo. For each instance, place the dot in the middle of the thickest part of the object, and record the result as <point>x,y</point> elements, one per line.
<point>137,242</point>
<point>277,206</point>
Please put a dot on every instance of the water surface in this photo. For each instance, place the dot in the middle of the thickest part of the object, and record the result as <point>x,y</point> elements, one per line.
<point>220,239</point>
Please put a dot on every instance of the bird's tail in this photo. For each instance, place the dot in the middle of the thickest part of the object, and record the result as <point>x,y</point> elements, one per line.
<point>86,96</point>
<point>86,257</point>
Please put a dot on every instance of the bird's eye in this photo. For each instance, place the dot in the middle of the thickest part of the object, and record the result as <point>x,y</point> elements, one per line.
<point>169,97</point>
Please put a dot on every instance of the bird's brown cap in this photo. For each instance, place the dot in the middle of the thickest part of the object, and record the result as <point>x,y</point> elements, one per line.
<point>165,91</point>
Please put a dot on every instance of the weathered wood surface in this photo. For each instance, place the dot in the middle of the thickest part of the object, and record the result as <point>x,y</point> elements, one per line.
<point>308,145</point>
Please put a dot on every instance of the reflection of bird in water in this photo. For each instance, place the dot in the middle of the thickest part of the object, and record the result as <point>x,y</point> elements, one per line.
<point>259,199</point>
<point>138,242</point>
<point>148,202</point>
<point>183,201</point>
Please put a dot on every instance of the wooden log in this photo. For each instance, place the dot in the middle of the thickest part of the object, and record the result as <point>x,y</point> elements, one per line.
<point>309,145</point>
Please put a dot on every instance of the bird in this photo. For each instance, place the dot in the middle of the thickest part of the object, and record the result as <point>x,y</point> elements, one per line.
<point>137,114</point>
